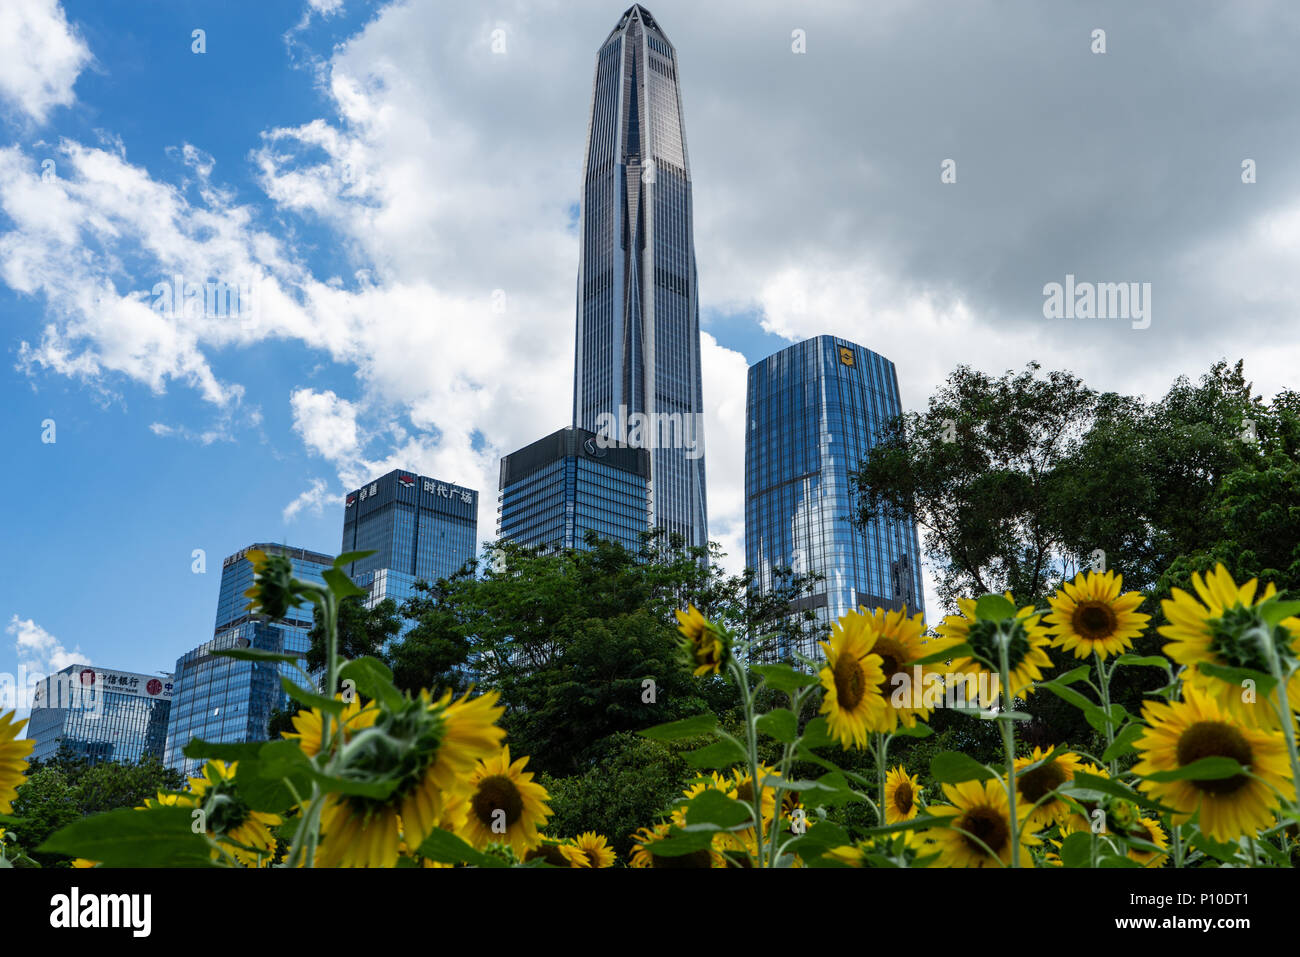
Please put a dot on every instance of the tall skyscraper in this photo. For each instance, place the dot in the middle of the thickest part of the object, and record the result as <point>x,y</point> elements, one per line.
<point>223,700</point>
<point>813,411</point>
<point>637,366</point>
<point>559,488</point>
<point>100,715</point>
<point>420,529</point>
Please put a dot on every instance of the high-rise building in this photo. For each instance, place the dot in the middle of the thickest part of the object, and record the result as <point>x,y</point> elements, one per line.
<point>100,715</point>
<point>556,490</point>
<point>420,529</point>
<point>813,411</point>
<point>637,366</point>
<point>219,699</point>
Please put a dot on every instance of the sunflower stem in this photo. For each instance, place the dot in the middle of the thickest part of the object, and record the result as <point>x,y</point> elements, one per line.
<point>1103,679</point>
<point>1283,706</point>
<point>1009,740</point>
<point>751,741</point>
<point>882,747</point>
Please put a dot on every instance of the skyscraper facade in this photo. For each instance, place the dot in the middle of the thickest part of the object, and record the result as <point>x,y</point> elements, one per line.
<point>556,490</point>
<point>100,715</point>
<point>420,529</point>
<point>223,700</point>
<point>637,364</point>
<point>813,412</point>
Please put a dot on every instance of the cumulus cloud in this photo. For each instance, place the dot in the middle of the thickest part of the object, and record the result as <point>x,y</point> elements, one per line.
<point>41,57</point>
<point>39,654</point>
<point>312,499</point>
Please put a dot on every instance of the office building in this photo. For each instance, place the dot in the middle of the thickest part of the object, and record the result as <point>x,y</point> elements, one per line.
<point>637,352</point>
<point>556,490</point>
<point>100,715</point>
<point>220,699</point>
<point>813,411</point>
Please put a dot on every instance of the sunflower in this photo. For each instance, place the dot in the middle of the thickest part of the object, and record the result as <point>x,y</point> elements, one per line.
<point>588,850</point>
<point>1080,818</point>
<point>852,677</point>
<point>274,589</point>
<point>308,724</point>
<point>1037,784</point>
<point>1182,732</point>
<point>896,638</point>
<point>1090,615</point>
<point>1149,830</point>
<point>644,856</point>
<point>901,793</point>
<point>1224,631</point>
<point>505,805</point>
<point>705,646</point>
<point>1026,653</point>
<point>430,750</point>
<point>246,832</point>
<point>13,759</point>
<point>980,822</point>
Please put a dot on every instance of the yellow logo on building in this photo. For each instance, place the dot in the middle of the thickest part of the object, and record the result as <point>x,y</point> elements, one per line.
<point>846,355</point>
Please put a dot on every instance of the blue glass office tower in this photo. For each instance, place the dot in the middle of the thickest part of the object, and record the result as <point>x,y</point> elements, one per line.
<point>420,529</point>
<point>100,715</point>
<point>559,488</point>
<point>813,411</point>
<point>221,699</point>
<point>637,365</point>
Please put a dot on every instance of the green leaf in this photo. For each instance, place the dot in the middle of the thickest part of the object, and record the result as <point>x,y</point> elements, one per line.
<point>370,789</point>
<point>1264,682</point>
<point>820,837</point>
<point>1203,769</point>
<point>994,608</point>
<point>917,730</point>
<point>816,734</point>
<point>962,650</point>
<point>341,585</point>
<point>1077,674</point>
<point>953,767</point>
<point>374,679</point>
<point>254,654</point>
<point>1089,787</point>
<point>780,723</point>
<point>1093,713</point>
<point>1274,610</point>
<point>261,781</point>
<point>1149,661</point>
<point>917,823</point>
<point>1076,850</point>
<point>691,727</point>
<point>720,754</point>
<point>446,848</point>
<point>347,558</point>
<point>711,810</point>
<point>781,677</point>
<point>222,752</point>
<point>679,843</point>
<point>154,837</point>
<point>310,698</point>
<point>1125,740</point>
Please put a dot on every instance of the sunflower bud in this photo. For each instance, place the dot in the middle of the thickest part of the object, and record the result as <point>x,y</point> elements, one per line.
<point>706,647</point>
<point>274,590</point>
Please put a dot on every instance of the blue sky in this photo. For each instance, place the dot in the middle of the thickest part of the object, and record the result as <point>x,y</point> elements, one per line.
<point>392,172</point>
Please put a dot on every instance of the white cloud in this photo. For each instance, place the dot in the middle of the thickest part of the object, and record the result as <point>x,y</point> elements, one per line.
<point>39,654</point>
<point>40,57</point>
<point>312,499</point>
<point>326,423</point>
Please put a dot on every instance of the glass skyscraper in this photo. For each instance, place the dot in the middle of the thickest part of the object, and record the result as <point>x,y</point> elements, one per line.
<point>559,488</point>
<point>100,715</point>
<point>220,699</point>
<point>420,529</point>
<point>813,411</point>
<point>637,365</point>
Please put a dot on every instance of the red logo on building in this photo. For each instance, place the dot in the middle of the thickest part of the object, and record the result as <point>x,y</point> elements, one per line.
<point>406,481</point>
<point>352,500</point>
<point>154,686</point>
<point>88,677</point>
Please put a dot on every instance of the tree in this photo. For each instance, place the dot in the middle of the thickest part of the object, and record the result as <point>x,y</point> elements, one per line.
<point>435,652</point>
<point>362,631</point>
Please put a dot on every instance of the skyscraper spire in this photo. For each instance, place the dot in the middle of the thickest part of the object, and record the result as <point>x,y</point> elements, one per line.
<point>637,352</point>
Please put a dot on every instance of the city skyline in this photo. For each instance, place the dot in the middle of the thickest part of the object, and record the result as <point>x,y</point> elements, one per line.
<point>407,184</point>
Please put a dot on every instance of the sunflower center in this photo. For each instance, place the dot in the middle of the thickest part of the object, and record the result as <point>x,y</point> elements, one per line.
<point>903,798</point>
<point>549,853</point>
<point>1094,620</point>
<point>1215,739</point>
<point>745,792</point>
<point>850,682</point>
<point>497,793</point>
<point>891,660</point>
<point>1041,781</point>
<point>986,824</point>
